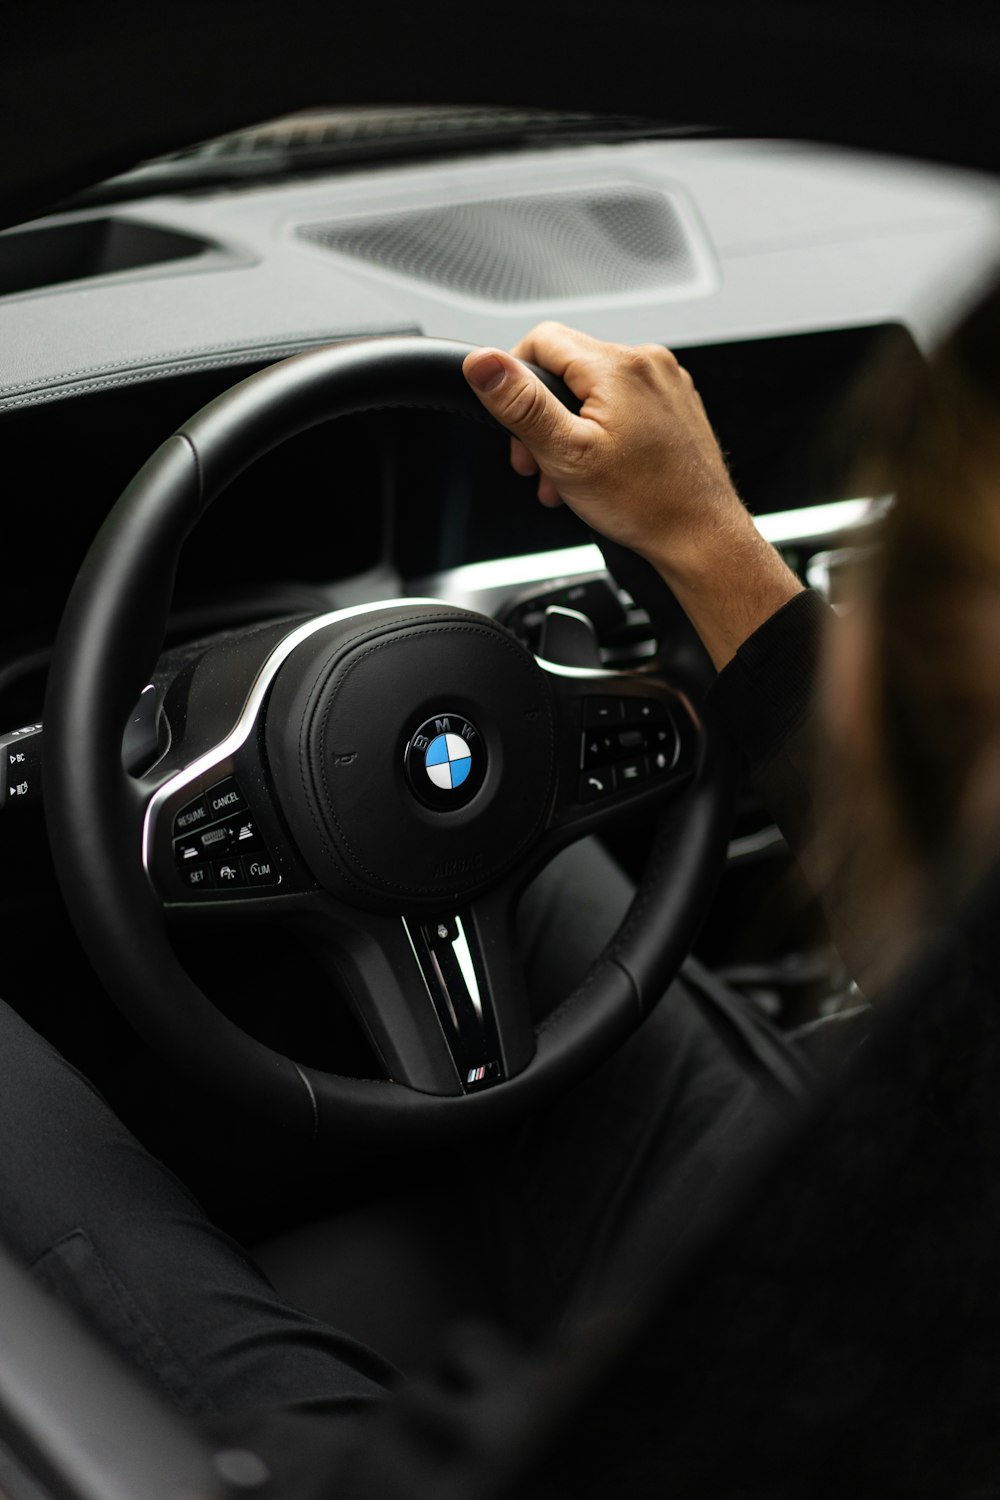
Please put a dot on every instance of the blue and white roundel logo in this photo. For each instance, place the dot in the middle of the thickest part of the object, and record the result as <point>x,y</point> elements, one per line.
<point>445,761</point>
<point>448,761</point>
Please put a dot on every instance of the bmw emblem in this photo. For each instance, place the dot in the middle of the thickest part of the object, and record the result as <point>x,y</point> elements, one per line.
<point>445,761</point>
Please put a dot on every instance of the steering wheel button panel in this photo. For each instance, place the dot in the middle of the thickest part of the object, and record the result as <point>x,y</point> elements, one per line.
<point>634,736</point>
<point>230,854</point>
<point>652,746</point>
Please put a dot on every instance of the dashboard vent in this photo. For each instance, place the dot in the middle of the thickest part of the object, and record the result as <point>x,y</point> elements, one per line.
<point>528,248</point>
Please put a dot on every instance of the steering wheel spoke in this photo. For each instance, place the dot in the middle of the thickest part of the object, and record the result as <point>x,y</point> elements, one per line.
<point>438,994</point>
<point>626,740</point>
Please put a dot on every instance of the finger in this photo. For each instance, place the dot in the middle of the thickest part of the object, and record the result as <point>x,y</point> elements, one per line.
<point>560,342</point>
<point>521,403</point>
<point>574,356</point>
<point>547,492</point>
<point>521,460</point>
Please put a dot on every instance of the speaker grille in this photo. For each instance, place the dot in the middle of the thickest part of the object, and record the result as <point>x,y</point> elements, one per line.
<point>526,248</point>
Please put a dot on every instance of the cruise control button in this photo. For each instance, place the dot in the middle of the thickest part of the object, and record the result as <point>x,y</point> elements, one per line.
<point>191,816</point>
<point>598,711</point>
<point>597,783</point>
<point>632,771</point>
<point>261,870</point>
<point>244,835</point>
<point>187,851</point>
<point>198,877</point>
<point>214,840</point>
<point>228,873</point>
<point>224,799</point>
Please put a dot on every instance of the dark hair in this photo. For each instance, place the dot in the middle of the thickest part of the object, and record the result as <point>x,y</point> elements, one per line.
<point>935,590</point>
<point>926,799</point>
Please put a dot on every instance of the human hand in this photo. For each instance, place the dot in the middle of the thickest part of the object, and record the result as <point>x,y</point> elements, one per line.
<point>642,466</point>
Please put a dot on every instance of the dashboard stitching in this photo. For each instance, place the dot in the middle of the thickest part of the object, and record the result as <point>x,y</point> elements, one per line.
<point>137,377</point>
<point>40,398</point>
<point>58,393</point>
<point>196,351</point>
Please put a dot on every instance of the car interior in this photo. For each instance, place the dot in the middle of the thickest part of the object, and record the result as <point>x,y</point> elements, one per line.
<point>369,245</point>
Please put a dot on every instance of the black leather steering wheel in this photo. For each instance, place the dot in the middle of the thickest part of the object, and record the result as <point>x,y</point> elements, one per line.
<point>385,780</point>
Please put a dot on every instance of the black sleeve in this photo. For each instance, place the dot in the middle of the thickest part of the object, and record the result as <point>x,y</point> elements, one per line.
<point>765,699</point>
<point>766,692</point>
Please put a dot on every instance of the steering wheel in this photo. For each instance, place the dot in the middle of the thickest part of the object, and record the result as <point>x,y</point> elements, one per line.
<point>384,780</point>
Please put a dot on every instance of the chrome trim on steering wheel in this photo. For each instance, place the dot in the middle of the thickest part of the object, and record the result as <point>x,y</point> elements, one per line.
<point>243,727</point>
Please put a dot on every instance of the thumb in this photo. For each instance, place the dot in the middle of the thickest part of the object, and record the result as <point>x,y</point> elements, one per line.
<point>519,401</point>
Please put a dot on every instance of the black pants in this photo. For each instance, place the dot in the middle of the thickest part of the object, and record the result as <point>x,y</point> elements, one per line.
<point>631,1152</point>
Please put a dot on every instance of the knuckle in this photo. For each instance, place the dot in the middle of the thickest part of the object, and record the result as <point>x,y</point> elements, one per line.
<point>526,406</point>
<point>581,451</point>
<point>652,363</point>
<point>638,360</point>
<point>639,368</point>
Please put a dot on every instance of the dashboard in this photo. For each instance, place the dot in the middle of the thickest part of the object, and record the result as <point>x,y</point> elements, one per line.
<point>779,272</point>
<point>772,267</point>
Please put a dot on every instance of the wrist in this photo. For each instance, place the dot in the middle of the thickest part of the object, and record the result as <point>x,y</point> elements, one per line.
<point>713,534</point>
<point>728,585</point>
